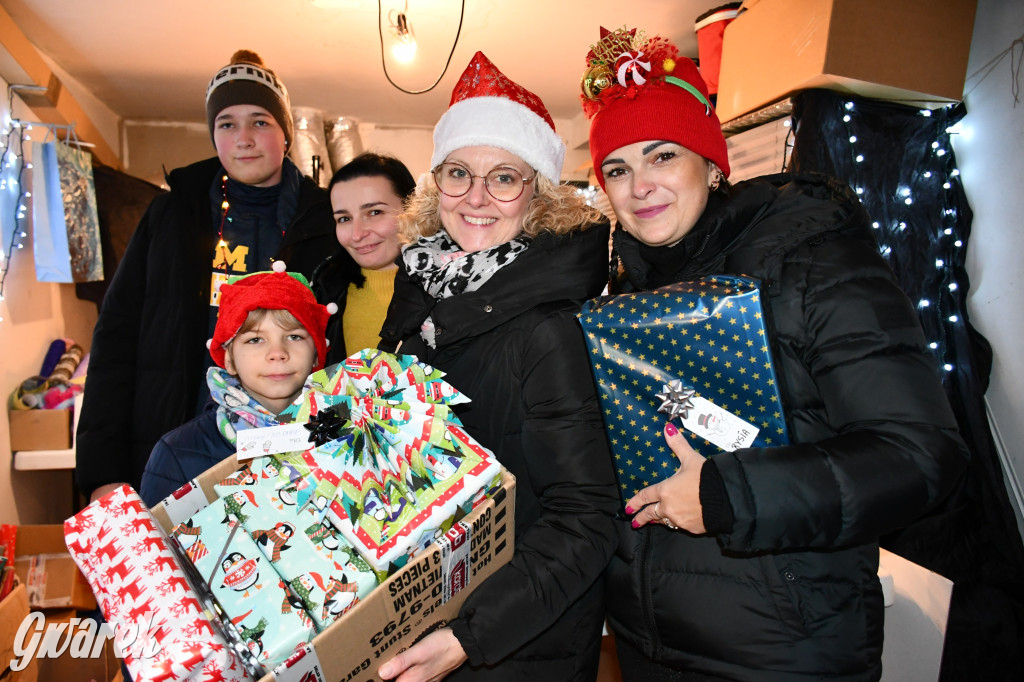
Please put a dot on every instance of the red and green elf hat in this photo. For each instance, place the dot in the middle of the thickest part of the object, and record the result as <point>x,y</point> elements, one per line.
<point>272,290</point>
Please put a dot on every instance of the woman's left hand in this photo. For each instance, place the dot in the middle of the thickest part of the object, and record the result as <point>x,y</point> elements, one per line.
<point>429,660</point>
<point>674,502</point>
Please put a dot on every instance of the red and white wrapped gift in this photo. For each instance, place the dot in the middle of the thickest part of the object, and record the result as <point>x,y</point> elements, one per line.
<point>157,619</point>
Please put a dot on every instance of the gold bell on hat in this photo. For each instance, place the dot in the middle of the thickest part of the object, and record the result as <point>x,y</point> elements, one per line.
<point>595,79</point>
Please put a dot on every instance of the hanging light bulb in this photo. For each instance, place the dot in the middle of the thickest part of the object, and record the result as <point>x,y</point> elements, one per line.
<point>404,49</point>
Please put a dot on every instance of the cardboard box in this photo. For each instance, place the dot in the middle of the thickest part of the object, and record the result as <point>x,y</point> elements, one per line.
<point>408,603</point>
<point>105,666</point>
<point>13,610</point>
<point>40,429</point>
<point>49,574</point>
<point>910,50</point>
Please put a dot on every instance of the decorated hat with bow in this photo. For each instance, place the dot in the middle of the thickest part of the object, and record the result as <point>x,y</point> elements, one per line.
<point>487,109</point>
<point>275,290</point>
<point>637,89</point>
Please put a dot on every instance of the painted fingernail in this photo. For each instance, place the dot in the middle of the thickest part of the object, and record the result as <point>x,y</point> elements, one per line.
<point>635,524</point>
<point>629,510</point>
<point>670,429</point>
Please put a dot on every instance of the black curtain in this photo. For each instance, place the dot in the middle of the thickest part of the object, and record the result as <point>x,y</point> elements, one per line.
<point>900,161</point>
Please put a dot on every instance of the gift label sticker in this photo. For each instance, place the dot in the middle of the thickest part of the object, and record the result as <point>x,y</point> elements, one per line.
<point>184,502</point>
<point>456,570</point>
<point>301,666</point>
<point>271,440</point>
<point>718,426</point>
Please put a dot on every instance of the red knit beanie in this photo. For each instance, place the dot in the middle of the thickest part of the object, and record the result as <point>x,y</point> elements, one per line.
<point>277,290</point>
<point>636,89</point>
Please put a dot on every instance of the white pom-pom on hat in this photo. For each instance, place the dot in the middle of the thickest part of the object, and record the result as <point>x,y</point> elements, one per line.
<point>279,266</point>
<point>209,344</point>
<point>332,308</point>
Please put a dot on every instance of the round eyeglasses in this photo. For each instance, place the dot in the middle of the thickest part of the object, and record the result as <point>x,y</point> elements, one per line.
<point>503,184</point>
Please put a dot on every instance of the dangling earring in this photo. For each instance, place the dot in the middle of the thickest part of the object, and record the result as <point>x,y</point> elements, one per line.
<point>716,180</point>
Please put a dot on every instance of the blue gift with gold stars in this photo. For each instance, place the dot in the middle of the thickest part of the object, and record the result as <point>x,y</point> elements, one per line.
<point>695,352</point>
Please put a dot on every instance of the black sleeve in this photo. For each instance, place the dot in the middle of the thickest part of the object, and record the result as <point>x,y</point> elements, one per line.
<point>103,442</point>
<point>895,451</point>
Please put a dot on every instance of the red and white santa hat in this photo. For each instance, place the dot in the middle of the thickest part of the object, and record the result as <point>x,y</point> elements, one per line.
<point>275,290</point>
<point>487,109</point>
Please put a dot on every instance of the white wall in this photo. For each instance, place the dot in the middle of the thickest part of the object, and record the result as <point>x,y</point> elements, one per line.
<point>990,153</point>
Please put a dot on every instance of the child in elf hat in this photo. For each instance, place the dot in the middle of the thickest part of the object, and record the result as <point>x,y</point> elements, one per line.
<point>269,338</point>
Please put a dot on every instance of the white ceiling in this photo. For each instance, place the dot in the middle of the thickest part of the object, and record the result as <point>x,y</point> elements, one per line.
<point>152,59</point>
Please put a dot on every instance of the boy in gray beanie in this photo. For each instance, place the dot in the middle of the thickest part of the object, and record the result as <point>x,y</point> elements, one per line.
<point>245,80</point>
<point>229,215</point>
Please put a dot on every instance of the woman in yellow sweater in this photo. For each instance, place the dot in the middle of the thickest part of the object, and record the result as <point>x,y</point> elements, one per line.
<point>366,197</point>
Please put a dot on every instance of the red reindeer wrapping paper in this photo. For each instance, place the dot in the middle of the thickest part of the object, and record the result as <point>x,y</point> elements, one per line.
<point>143,593</point>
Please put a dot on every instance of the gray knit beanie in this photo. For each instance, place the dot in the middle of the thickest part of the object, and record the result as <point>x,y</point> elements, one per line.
<point>245,80</point>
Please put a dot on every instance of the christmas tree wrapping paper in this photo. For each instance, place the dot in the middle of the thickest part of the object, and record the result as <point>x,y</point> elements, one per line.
<point>389,465</point>
<point>697,352</point>
<point>158,619</point>
<point>268,618</point>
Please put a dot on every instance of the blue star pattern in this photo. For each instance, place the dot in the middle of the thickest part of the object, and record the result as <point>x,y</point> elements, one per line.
<point>708,334</point>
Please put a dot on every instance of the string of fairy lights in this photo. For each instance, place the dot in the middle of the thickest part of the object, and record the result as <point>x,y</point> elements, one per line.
<point>934,179</point>
<point>15,192</point>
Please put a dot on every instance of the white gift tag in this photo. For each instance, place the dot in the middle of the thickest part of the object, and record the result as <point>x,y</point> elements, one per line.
<point>718,426</point>
<point>271,440</point>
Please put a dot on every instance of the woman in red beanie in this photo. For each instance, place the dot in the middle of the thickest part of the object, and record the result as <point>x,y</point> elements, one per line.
<point>760,563</point>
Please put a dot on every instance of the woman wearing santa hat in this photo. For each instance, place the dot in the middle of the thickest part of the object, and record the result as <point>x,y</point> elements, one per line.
<point>760,563</point>
<point>500,259</point>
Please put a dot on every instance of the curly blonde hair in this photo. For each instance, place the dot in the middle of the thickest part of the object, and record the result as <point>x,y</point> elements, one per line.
<point>554,208</point>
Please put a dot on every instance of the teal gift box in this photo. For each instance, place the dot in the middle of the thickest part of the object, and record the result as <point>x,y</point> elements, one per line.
<point>695,352</point>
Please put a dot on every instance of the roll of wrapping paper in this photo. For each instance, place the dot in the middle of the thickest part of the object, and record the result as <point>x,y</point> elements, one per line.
<point>28,395</point>
<point>67,365</point>
<point>53,355</point>
<point>309,147</point>
<point>343,141</point>
<point>8,537</point>
<point>143,593</point>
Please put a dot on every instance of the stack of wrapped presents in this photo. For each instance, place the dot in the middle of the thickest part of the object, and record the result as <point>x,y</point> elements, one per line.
<point>366,470</point>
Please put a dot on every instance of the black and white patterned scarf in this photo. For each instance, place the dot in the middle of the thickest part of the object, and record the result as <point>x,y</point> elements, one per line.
<point>443,269</point>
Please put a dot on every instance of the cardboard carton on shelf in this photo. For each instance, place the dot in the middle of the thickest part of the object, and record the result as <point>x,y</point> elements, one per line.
<point>912,51</point>
<point>39,429</point>
<point>411,601</point>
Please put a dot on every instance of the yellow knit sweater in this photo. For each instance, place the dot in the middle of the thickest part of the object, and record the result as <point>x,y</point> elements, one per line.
<point>366,308</point>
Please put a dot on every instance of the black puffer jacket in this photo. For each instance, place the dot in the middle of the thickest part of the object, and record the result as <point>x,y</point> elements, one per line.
<point>788,590</point>
<point>149,344</point>
<point>514,347</point>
